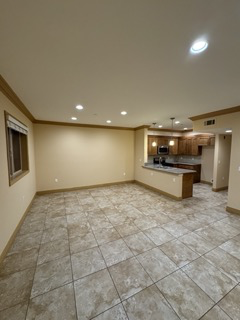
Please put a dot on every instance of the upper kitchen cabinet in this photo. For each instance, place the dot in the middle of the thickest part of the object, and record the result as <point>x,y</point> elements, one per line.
<point>173,150</point>
<point>182,146</point>
<point>152,149</point>
<point>189,146</point>
<point>203,140</point>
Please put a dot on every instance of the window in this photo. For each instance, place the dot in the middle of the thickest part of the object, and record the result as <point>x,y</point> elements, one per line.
<point>17,148</point>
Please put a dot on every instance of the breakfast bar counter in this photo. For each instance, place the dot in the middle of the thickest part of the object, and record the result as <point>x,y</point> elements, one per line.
<point>176,183</point>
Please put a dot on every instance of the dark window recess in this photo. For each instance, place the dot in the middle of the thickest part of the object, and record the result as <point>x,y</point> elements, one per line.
<point>17,148</point>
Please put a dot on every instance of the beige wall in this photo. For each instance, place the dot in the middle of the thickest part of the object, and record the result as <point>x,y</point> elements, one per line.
<point>168,183</point>
<point>229,121</point>
<point>221,161</point>
<point>14,200</point>
<point>82,156</point>
<point>207,163</point>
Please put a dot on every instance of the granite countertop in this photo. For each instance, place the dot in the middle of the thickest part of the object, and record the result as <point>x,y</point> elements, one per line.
<point>166,169</point>
<point>182,162</point>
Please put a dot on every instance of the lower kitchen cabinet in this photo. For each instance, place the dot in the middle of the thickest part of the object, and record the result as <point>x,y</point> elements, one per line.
<point>196,167</point>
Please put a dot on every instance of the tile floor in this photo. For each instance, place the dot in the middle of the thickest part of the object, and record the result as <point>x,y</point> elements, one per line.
<point>124,252</point>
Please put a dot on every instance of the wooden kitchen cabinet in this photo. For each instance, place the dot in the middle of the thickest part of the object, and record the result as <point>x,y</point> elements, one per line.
<point>189,146</point>
<point>196,167</point>
<point>196,149</point>
<point>203,141</point>
<point>182,146</point>
<point>152,151</point>
<point>173,150</point>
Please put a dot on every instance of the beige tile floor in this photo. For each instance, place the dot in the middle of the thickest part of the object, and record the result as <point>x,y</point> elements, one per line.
<point>124,252</point>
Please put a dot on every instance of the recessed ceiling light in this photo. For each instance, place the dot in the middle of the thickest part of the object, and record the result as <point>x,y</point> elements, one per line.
<point>74,118</point>
<point>108,121</point>
<point>185,128</point>
<point>160,126</point>
<point>79,107</point>
<point>123,113</point>
<point>228,131</point>
<point>177,122</point>
<point>199,46</point>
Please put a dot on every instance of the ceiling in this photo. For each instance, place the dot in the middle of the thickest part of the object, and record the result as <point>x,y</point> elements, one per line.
<point>112,55</point>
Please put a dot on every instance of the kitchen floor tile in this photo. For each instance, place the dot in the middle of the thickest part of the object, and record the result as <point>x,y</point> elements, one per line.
<point>196,243</point>
<point>53,250</point>
<point>106,235</point>
<point>216,314</point>
<point>19,261</point>
<point>149,304</point>
<point>129,277</point>
<point>87,262</point>
<point>175,228</point>
<point>115,313</point>
<point>95,294</point>
<point>58,304</point>
<point>225,262</point>
<point>51,275</point>
<point>211,280</point>
<point>184,296</point>
<point>15,288</point>
<point>212,235</point>
<point>26,241</point>
<point>83,242</point>
<point>114,252</point>
<point>158,235</point>
<point>178,253</point>
<point>157,264</point>
<point>17,312</point>
<point>54,234</point>
<point>232,247</point>
<point>127,229</point>
<point>231,303</point>
<point>139,243</point>
<point>226,229</point>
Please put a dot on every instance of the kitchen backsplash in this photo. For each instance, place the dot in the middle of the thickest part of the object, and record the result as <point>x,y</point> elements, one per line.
<point>186,159</point>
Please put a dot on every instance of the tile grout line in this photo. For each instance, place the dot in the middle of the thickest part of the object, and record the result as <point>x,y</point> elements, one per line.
<point>70,256</point>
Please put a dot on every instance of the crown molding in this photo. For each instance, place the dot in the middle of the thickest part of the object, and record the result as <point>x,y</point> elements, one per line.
<point>216,113</point>
<point>82,125</point>
<point>169,130</point>
<point>11,95</point>
<point>142,127</point>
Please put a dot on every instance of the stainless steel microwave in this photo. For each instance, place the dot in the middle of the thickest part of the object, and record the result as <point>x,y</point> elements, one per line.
<point>163,150</point>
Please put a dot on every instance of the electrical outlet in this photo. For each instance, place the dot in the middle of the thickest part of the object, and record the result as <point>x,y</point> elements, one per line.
<point>238,168</point>
<point>222,178</point>
<point>151,174</point>
<point>124,173</point>
<point>56,179</point>
<point>174,179</point>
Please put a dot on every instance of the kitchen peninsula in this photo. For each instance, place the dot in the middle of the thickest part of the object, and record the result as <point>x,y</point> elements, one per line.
<point>181,178</point>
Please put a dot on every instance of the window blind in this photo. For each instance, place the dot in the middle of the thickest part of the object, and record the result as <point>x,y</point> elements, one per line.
<point>16,125</point>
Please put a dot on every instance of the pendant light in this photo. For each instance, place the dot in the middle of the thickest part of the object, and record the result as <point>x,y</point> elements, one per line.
<point>171,142</point>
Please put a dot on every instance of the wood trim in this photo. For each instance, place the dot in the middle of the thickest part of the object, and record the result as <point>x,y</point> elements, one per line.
<point>158,191</point>
<point>83,187</point>
<point>216,113</point>
<point>169,130</point>
<point>11,95</point>
<point>206,182</point>
<point>57,123</point>
<point>142,127</point>
<point>13,236</point>
<point>232,210</point>
<point>219,189</point>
